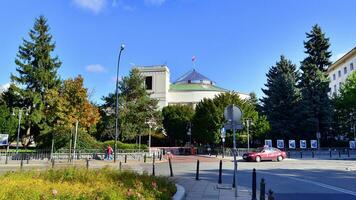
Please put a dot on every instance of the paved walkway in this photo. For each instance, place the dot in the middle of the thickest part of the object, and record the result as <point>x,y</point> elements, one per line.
<point>206,190</point>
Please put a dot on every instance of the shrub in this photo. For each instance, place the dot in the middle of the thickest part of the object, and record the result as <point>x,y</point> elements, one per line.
<point>121,145</point>
<point>79,183</point>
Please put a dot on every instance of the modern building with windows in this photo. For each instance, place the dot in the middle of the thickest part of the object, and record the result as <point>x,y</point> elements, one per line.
<point>340,70</point>
<point>189,89</point>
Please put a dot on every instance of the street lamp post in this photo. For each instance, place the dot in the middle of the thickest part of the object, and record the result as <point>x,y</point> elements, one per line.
<point>20,111</point>
<point>248,123</point>
<point>117,101</point>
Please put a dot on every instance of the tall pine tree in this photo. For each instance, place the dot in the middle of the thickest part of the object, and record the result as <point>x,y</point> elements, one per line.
<point>36,73</point>
<point>281,99</point>
<point>314,85</point>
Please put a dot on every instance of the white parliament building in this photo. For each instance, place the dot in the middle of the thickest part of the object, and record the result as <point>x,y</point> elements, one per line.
<point>189,89</point>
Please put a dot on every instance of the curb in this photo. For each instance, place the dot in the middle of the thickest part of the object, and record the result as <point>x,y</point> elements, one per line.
<point>180,194</point>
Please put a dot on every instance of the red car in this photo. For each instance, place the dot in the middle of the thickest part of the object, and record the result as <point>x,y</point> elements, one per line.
<point>265,153</point>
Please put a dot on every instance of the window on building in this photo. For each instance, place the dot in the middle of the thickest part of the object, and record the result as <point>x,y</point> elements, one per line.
<point>345,70</point>
<point>148,82</point>
<point>351,66</point>
<point>339,72</point>
<point>334,77</point>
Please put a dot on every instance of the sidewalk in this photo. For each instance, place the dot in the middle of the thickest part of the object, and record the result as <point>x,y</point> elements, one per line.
<point>210,191</point>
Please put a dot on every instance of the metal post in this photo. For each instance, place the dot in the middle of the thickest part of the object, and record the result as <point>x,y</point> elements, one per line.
<point>197,172</point>
<point>52,146</point>
<point>87,160</point>
<point>339,154</point>
<point>301,154</point>
<point>153,166</point>
<point>248,135</point>
<point>21,164</point>
<point>220,172</point>
<point>18,131</point>
<point>312,154</point>
<point>170,166</point>
<point>75,138</point>
<point>52,162</point>
<point>27,158</point>
<point>330,153</point>
<point>117,102</point>
<point>144,158</point>
<point>120,166</point>
<point>125,158</point>
<point>262,189</point>
<point>254,184</point>
<point>7,154</point>
<point>70,146</point>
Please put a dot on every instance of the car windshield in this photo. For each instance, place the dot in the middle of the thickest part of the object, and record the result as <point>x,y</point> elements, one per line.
<point>259,149</point>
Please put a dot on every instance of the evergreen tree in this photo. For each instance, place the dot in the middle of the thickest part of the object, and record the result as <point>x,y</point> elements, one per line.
<point>136,109</point>
<point>36,73</point>
<point>315,106</point>
<point>281,99</point>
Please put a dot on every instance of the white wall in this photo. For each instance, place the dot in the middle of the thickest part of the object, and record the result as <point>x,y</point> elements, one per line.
<point>344,76</point>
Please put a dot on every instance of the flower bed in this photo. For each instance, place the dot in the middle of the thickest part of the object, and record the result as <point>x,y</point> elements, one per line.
<point>79,183</point>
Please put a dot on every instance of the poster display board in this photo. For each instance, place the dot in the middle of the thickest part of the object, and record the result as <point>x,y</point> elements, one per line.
<point>314,144</point>
<point>280,144</point>
<point>268,143</point>
<point>352,144</point>
<point>292,144</point>
<point>4,139</point>
<point>303,144</point>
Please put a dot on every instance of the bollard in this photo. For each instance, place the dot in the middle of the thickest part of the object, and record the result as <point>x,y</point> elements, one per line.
<point>153,166</point>
<point>348,153</point>
<point>52,162</point>
<point>160,156</point>
<point>262,189</point>
<point>87,160</point>
<point>220,172</point>
<point>120,166</point>
<point>144,158</point>
<point>339,154</point>
<point>254,184</point>
<point>170,166</point>
<point>312,154</point>
<point>301,154</point>
<point>7,158</point>
<point>288,154</point>
<point>27,159</point>
<point>330,153</point>
<point>197,172</point>
<point>21,163</point>
<point>125,158</point>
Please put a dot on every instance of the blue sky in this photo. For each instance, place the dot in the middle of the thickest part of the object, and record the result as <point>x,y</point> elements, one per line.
<point>235,42</point>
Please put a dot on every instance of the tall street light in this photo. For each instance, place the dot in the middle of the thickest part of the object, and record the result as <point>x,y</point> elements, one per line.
<point>20,111</point>
<point>248,124</point>
<point>117,101</point>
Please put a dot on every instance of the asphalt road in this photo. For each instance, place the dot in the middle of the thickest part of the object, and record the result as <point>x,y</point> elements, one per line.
<point>289,179</point>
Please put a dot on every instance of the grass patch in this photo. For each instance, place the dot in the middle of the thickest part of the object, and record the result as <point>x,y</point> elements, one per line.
<point>81,184</point>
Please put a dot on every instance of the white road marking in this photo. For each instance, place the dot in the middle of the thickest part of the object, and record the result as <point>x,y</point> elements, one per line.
<point>317,183</point>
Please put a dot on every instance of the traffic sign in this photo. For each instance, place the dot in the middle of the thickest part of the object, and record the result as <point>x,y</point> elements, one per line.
<point>228,126</point>
<point>233,114</point>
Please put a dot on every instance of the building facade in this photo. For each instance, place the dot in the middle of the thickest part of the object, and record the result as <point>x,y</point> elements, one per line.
<point>340,70</point>
<point>189,89</point>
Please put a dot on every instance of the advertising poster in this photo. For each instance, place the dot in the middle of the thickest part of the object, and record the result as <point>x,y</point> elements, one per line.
<point>292,144</point>
<point>4,139</point>
<point>303,144</point>
<point>352,144</point>
<point>280,144</point>
<point>268,143</point>
<point>313,144</point>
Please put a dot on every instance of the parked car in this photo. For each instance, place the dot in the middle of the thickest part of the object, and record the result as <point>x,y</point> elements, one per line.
<point>265,153</point>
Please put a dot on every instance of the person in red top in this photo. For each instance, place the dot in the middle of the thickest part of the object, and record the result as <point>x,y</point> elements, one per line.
<point>109,152</point>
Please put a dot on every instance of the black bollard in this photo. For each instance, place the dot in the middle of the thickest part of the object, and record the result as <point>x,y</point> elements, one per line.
<point>288,154</point>
<point>220,172</point>
<point>160,156</point>
<point>144,158</point>
<point>301,154</point>
<point>254,184</point>
<point>21,163</point>
<point>153,166</point>
<point>170,166</point>
<point>197,172</point>
<point>330,153</point>
<point>125,158</point>
<point>312,154</point>
<point>27,159</point>
<point>7,158</point>
<point>87,160</point>
<point>339,154</point>
<point>262,189</point>
<point>348,153</point>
